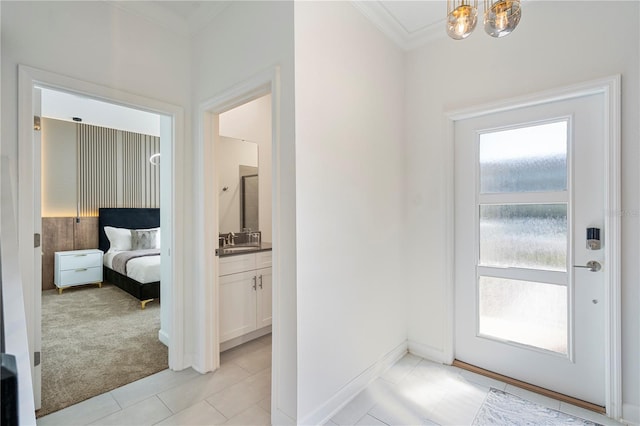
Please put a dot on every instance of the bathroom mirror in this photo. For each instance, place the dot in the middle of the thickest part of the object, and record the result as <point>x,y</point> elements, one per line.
<point>237,164</point>
<point>249,198</point>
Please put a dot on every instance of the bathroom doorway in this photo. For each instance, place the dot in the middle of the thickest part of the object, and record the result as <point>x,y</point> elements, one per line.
<point>209,317</point>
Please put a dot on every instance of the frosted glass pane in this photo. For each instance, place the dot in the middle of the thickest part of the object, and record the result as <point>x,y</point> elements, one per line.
<point>528,159</point>
<point>530,313</point>
<point>524,236</point>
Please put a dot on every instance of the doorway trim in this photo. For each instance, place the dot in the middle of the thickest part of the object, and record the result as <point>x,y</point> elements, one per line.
<point>206,312</point>
<point>28,78</point>
<point>609,87</point>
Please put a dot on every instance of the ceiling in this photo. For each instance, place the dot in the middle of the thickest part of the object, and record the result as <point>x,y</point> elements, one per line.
<point>185,17</point>
<point>65,106</point>
<point>408,23</point>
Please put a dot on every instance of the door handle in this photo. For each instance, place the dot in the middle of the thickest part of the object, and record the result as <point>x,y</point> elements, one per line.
<point>592,265</point>
<point>260,280</point>
<point>254,283</point>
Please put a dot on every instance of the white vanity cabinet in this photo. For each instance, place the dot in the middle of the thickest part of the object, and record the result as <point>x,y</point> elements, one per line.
<point>245,294</point>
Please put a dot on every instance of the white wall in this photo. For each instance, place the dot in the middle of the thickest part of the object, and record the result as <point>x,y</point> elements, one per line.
<point>101,44</point>
<point>252,122</point>
<point>350,200</point>
<point>58,168</point>
<point>231,154</point>
<point>90,41</point>
<point>249,38</point>
<point>555,44</point>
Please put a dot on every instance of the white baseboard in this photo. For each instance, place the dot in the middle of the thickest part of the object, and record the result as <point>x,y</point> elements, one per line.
<point>163,337</point>
<point>631,414</point>
<point>428,352</point>
<point>349,391</point>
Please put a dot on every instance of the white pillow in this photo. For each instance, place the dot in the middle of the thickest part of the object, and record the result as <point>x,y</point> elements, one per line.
<point>119,239</point>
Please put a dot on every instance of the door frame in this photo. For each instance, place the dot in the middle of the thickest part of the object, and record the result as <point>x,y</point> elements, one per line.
<point>206,313</point>
<point>28,78</point>
<point>609,88</point>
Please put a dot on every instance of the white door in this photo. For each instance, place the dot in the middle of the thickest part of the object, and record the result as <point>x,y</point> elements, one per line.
<point>528,184</point>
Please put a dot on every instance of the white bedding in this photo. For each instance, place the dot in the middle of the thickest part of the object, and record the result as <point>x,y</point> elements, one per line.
<point>142,269</point>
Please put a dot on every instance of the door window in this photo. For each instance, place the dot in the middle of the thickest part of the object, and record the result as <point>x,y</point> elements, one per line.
<point>523,235</point>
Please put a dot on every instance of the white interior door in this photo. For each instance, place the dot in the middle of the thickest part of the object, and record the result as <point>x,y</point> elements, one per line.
<point>528,184</point>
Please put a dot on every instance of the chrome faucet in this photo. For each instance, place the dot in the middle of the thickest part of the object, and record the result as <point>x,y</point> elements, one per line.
<point>231,238</point>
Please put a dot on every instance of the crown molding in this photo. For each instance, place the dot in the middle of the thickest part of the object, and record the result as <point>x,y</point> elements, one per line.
<point>153,13</point>
<point>164,17</point>
<point>375,12</point>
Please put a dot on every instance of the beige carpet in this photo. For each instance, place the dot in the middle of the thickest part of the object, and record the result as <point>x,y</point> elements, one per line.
<point>95,340</point>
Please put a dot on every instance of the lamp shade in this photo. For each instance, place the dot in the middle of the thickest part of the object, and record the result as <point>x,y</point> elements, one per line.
<point>461,18</point>
<point>501,17</point>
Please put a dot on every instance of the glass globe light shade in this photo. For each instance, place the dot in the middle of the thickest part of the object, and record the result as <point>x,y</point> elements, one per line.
<point>501,17</point>
<point>461,21</point>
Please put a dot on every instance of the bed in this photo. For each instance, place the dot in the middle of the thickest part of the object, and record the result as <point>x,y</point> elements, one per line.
<point>141,278</point>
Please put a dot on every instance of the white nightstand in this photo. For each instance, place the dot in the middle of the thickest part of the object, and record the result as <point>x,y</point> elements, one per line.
<point>77,267</point>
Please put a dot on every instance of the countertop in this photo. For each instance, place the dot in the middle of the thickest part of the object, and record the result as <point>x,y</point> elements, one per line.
<point>238,249</point>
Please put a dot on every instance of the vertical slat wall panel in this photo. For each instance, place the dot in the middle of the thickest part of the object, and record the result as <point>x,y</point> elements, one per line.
<point>96,168</point>
<point>98,163</point>
<point>141,179</point>
<point>129,173</point>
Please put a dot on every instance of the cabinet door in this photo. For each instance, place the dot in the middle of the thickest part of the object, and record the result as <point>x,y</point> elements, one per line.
<point>237,305</point>
<point>264,306</point>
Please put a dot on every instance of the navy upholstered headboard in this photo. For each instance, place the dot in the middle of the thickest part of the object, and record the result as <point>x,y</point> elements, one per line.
<point>130,218</point>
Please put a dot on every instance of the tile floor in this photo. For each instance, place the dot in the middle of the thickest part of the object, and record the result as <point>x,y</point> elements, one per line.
<point>239,393</point>
<point>419,392</point>
<point>414,391</point>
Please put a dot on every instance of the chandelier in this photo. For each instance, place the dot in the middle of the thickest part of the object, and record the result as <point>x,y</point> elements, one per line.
<point>500,17</point>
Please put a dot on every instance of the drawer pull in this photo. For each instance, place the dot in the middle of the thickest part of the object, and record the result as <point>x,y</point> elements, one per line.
<point>80,255</point>
<point>81,270</point>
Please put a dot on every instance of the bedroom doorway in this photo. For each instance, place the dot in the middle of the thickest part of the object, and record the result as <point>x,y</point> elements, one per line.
<point>170,124</point>
<point>103,151</point>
